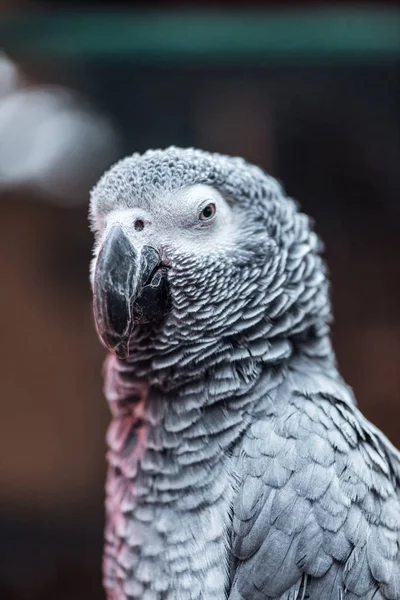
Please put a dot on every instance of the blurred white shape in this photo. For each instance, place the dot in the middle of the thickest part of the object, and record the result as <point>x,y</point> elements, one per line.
<point>52,143</point>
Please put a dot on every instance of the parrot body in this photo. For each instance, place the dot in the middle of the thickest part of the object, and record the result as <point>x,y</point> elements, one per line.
<point>239,464</point>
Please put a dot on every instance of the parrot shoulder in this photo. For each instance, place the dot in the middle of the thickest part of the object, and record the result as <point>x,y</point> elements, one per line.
<point>318,506</point>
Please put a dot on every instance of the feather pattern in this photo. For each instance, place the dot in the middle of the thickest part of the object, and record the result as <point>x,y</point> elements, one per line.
<point>335,538</point>
<point>239,465</point>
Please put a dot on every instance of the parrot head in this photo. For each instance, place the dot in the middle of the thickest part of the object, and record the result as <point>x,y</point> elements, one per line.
<point>194,249</point>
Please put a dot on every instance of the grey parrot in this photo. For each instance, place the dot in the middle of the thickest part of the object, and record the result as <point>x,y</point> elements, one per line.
<point>240,467</point>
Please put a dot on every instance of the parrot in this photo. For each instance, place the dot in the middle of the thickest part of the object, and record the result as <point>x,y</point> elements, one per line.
<point>239,465</point>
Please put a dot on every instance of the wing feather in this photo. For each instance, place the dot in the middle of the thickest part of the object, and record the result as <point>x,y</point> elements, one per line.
<point>318,511</point>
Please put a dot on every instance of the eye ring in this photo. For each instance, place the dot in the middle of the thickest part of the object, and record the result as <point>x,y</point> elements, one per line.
<point>208,212</point>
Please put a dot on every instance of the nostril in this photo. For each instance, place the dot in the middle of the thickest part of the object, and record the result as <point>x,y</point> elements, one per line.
<point>139,225</point>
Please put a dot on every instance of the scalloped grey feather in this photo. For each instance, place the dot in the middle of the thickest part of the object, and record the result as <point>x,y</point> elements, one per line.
<point>239,464</point>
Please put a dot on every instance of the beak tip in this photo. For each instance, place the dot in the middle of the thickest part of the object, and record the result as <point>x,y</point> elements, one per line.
<point>117,346</point>
<point>121,351</point>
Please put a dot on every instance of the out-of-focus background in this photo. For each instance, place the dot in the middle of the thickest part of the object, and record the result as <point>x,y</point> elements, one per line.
<point>310,91</point>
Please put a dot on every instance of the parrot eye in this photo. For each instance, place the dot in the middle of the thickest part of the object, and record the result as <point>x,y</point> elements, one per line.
<point>208,212</point>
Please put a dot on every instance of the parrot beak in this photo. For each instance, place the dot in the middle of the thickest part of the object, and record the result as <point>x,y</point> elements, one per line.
<point>129,287</point>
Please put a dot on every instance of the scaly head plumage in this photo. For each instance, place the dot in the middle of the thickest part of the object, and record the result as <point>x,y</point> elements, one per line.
<point>232,258</point>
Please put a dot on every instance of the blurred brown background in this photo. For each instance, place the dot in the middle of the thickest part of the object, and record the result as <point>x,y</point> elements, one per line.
<point>310,93</point>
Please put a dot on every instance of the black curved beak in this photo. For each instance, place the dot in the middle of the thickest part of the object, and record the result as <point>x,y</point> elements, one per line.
<point>130,287</point>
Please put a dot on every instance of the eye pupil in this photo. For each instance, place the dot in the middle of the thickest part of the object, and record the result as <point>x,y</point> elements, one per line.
<point>207,212</point>
<point>139,225</point>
